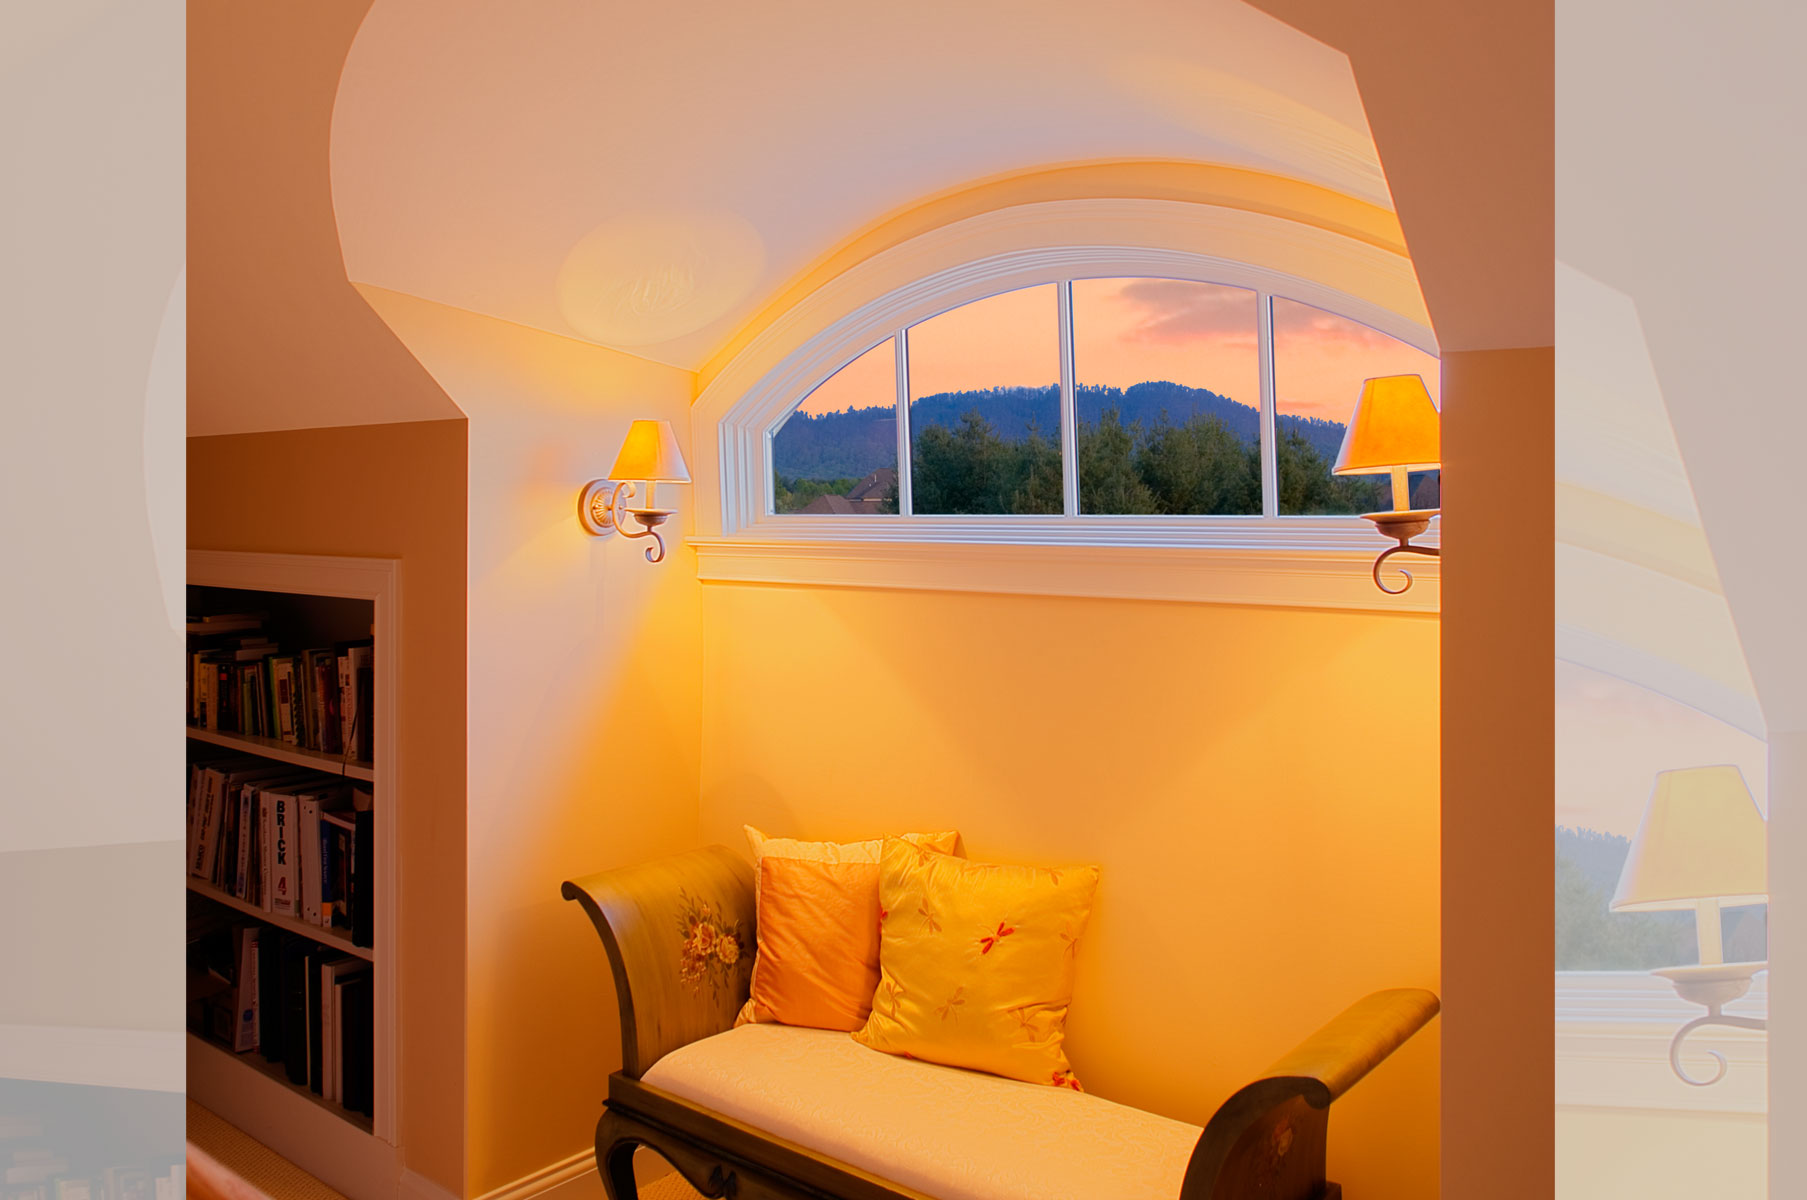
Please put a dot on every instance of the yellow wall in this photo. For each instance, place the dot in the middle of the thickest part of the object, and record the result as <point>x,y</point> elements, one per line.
<point>1259,785</point>
<point>583,735</point>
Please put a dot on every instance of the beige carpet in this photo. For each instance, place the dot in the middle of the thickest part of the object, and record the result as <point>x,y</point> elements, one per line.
<point>281,1179</point>
<point>669,1187</point>
<point>251,1160</point>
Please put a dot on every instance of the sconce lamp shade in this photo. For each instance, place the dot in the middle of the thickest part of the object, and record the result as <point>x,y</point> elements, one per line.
<point>1702,838</point>
<point>650,455</point>
<point>1395,427</point>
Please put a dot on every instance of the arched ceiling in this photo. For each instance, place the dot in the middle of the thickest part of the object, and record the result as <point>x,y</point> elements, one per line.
<point>1638,592</point>
<point>644,179</point>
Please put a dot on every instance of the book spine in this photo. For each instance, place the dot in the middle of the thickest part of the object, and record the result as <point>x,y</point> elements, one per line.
<point>363,845</point>
<point>269,991</point>
<point>282,874</point>
<point>307,858</point>
<point>245,1037</point>
<point>328,1044</point>
<point>363,687</point>
<point>263,851</point>
<point>328,682</point>
<point>241,871</point>
<point>328,894</point>
<point>294,1019</point>
<point>307,728</point>
<point>348,700</point>
<point>285,705</point>
<point>201,864</point>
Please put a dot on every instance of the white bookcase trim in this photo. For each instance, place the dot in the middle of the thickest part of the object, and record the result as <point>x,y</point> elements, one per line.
<point>377,580</point>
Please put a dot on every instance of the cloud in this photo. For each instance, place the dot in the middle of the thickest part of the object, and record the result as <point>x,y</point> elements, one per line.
<point>1178,311</point>
<point>1295,320</point>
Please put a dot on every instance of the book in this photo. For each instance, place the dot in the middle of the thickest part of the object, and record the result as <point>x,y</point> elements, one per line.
<point>333,974</point>
<point>363,852</point>
<point>245,989</point>
<point>294,1009</point>
<point>337,829</point>
<point>284,683</point>
<point>326,683</point>
<point>357,1075</point>
<point>218,779</point>
<point>308,855</point>
<point>363,675</point>
<point>283,879</point>
<point>270,947</point>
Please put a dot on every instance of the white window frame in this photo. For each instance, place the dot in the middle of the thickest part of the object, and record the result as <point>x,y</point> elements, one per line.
<point>1266,559</point>
<point>1613,1030</point>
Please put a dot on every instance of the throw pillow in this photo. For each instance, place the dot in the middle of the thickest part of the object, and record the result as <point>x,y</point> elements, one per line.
<point>817,911</point>
<point>976,962</point>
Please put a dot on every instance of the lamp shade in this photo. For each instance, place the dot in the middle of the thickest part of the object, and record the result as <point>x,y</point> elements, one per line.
<point>650,454</point>
<point>1702,838</point>
<point>1395,427</point>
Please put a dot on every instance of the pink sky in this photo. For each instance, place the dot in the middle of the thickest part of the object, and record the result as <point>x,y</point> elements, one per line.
<point>1129,331</point>
<point>1612,737</point>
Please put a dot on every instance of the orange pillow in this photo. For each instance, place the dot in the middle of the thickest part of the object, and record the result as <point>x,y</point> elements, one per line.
<point>817,910</point>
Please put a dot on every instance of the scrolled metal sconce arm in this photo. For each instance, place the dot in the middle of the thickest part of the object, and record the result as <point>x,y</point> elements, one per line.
<point>1713,1017</point>
<point>602,510</point>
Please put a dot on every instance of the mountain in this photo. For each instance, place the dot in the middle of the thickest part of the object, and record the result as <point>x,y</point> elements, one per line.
<point>855,442</point>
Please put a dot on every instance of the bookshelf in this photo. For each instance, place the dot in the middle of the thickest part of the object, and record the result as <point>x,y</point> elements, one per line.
<point>311,601</point>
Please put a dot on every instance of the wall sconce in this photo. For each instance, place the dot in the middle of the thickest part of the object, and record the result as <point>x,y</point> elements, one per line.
<point>1395,431</point>
<point>649,455</point>
<point>1700,846</point>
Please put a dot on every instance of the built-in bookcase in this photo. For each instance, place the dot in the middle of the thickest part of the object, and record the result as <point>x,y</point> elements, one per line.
<point>249,716</point>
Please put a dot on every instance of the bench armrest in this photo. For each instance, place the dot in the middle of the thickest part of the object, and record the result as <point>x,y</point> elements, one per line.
<point>1280,1117</point>
<point>679,933</point>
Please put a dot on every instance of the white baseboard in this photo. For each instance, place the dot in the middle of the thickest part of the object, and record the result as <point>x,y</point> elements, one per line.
<point>572,1178</point>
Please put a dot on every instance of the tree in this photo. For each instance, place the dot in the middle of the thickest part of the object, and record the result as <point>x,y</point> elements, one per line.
<point>1108,479</point>
<point>1200,468</point>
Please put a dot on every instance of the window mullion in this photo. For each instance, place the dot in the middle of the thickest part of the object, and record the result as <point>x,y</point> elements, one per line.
<point>1270,473</point>
<point>1069,404</point>
<point>906,499</point>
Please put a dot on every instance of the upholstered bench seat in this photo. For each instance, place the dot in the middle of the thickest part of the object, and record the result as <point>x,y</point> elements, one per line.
<point>947,1133</point>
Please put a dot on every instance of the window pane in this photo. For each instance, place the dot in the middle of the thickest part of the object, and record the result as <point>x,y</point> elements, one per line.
<point>836,454</point>
<point>1168,397</point>
<point>1320,361</point>
<point>985,406</point>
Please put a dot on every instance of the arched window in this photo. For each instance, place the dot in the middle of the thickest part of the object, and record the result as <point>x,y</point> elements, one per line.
<point>1095,397</point>
<point>1109,416</point>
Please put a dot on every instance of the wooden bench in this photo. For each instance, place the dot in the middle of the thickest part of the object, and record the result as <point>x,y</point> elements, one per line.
<point>1267,1141</point>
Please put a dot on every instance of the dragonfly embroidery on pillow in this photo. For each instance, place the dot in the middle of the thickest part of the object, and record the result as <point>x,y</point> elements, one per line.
<point>989,941</point>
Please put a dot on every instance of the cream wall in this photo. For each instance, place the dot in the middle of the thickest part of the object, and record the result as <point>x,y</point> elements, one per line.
<point>584,678</point>
<point>1259,785</point>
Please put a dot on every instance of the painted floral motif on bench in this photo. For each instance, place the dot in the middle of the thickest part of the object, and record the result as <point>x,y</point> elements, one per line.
<point>710,947</point>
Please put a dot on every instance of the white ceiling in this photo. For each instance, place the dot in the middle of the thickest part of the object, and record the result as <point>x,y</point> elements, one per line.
<point>644,180</point>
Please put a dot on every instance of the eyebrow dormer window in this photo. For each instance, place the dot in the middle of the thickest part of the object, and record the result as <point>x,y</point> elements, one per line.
<point>1084,399</point>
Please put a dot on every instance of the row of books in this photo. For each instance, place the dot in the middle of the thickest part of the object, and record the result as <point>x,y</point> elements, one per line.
<point>33,1170</point>
<point>296,843</point>
<point>306,1007</point>
<point>241,681</point>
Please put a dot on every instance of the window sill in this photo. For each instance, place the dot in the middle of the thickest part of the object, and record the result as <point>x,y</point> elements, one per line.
<point>1613,1030</point>
<point>1334,576</point>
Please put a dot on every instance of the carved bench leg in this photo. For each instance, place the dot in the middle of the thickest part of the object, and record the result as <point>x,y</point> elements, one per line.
<point>616,1165</point>
<point>619,1135</point>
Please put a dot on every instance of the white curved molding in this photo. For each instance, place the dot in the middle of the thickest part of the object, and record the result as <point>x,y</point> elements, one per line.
<point>1293,577</point>
<point>998,251</point>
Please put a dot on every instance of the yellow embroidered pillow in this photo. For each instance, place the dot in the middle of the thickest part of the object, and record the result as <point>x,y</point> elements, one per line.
<point>976,962</point>
<point>817,910</point>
